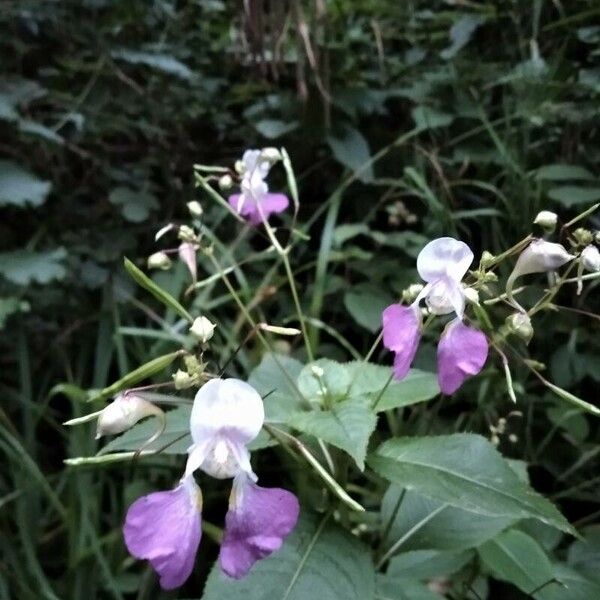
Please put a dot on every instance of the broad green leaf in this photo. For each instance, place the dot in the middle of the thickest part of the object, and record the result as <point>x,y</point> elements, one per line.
<point>10,306</point>
<point>429,524</point>
<point>392,588</point>
<point>515,557</point>
<point>135,205</point>
<point>562,172</point>
<point>19,187</point>
<point>24,267</point>
<point>584,554</point>
<point>274,128</point>
<point>573,195</point>
<point>177,433</point>
<point>428,564</point>
<point>466,471</point>
<point>348,231</point>
<point>318,560</point>
<point>324,377</point>
<point>426,117</point>
<point>365,304</point>
<point>571,585</point>
<point>348,425</point>
<point>143,280</point>
<point>161,62</point>
<point>461,32</point>
<point>351,149</point>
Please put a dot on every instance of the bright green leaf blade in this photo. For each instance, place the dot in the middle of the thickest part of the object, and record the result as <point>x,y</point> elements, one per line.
<point>515,557</point>
<point>144,281</point>
<point>466,471</point>
<point>348,426</point>
<point>425,526</point>
<point>318,560</point>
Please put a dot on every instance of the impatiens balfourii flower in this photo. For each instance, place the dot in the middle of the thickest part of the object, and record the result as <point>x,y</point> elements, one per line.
<point>258,521</point>
<point>255,203</point>
<point>164,527</point>
<point>462,351</point>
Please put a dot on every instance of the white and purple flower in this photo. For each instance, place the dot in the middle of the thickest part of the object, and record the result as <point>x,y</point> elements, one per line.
<point>254,202</point>
<point>462,350</point>
<point>165,527</point>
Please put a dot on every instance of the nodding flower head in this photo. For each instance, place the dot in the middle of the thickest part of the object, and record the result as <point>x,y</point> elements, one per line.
<point>442,264</point>
<point>226,416</point>
<point>123,413</point>
<point>255,203</point>
<point>540,257</point>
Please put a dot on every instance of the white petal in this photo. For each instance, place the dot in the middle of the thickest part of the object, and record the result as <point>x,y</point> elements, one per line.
<point>228,407</point>
<point>540,257</point>
<point>590,258</point>
<point>444,257</point>
<point>446,296</point>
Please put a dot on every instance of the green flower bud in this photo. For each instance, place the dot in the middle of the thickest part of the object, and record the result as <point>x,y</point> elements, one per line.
<point>159,260</point>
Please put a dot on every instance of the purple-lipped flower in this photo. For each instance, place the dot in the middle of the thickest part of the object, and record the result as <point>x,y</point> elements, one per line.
<point>462,350</point>
<point>165,527</point>
<point>254,202</point>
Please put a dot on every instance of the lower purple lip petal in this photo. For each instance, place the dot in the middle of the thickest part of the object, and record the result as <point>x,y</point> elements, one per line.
<point>461,353</point>
<point>401,335</point>
<point>255,526</point>
<point>165,528</point>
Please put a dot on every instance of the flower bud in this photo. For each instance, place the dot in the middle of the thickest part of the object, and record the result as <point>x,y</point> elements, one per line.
<point>583,236</point>
<point>183,380</point>
<point>186,234</point>
<point>487,259</point>
<point>187,255</point>
<point>520,324</point>
<point>471,295</point>
<point>597,237</point>
<point>226,182</point>
<point>271,155</point>
<point>410,294</point>
<point>202,329</point>
<point>239,167</point>
<point>317,371</point>
<point>195,208</point>
<point>192,365</point>
<point>159,260</point>
<point>124,412</point>
<point>547,220</point>
<point>540,257</point>
<point>590,258</point>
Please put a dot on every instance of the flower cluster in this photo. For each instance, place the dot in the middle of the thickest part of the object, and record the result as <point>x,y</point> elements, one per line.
<point>254,202</point>
<point>462,350</point>
<point>165,527</point>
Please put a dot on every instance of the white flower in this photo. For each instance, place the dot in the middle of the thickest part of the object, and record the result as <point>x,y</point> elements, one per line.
<point>226,416</point>
<point>202,329</point>
<point>590,258</point>
<point>540,257</point>
<point>124,412</point>
<point>254,168</point>
<point>442,264</point>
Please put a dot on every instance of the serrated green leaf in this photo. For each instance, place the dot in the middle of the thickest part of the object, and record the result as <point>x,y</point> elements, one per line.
<point>143,280</point>
<point>348,426</point>
<point>324,377</point>
<point>318,560</point>
<point>515,557</point>
<point>466,471</point>
<point>24,267</point>
<point>19,187</point>
<point>365,305</point>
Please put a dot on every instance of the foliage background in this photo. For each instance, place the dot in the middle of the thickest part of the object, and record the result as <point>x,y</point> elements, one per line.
<point>486,113</point>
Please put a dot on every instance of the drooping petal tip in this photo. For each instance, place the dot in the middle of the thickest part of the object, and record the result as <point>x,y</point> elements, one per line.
<point>462,353</point>
<point>401,335</point>
<point>258,521</point>
<point>165,529</point>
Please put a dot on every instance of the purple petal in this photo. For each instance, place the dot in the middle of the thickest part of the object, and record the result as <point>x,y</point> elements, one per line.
<point>269,204</point>
<point>256,524</point>
<point>401,334</point>
<point>164,528</point>
<point>461,353</point>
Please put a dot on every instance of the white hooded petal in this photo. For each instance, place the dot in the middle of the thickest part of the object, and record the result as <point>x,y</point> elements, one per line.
<point>444,258</point>
<point>446,296</point>
<point>540,257</point>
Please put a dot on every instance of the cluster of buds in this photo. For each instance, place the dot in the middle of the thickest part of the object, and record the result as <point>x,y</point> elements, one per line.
<point>190,242</point>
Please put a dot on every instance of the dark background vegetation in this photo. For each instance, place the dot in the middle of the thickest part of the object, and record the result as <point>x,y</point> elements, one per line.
<point>106,105</point>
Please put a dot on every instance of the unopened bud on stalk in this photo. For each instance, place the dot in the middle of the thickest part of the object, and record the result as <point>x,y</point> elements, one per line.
<point>192,365</point>
<point>123,413</point>
<point>597,237</point>
<point>583,236</point>
<point>159,260</point>
<point>410,294</point>
<point>226,182</point>
<point>195,208</point>
<point>520,324</point>
<point>471,295</point>
<point>540,257</point>
<point>317,371</point>
<point>547,220</point>
<point>186,234</point>
<point>239,167</point>
<point>187,255</point>
<point>487,259</point>
<point>183,380</point>
<point>271,155</point>
<point>590,258</point>
<point>202,329</point>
